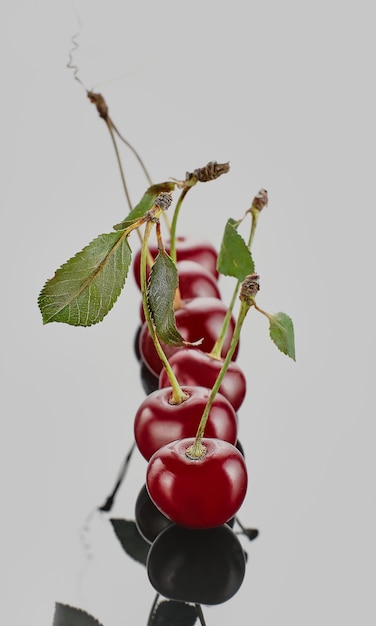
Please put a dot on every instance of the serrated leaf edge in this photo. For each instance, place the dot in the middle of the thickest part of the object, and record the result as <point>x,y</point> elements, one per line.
<point>81,611</point>
<point>275,320</point>
<point>84,285</point>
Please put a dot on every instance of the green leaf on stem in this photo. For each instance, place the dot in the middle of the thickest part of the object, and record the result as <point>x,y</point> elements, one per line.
<point>66,615</point>
<point>162,285</point>
<point>131,541</point>
<point>86,287</point>
<point>145,203</point>
<point>174,613</point>
<point>234,258</point>
<point>282,333</point>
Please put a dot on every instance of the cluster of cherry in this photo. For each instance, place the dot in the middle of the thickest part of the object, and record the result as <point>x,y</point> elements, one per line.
<point>195,484</point>
<point>187,426</point>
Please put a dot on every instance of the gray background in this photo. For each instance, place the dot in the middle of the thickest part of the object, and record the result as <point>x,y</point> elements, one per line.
<point>285,92</point>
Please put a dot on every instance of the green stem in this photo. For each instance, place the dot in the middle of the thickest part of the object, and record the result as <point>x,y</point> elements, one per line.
<point>133,150</point>
<point>197,449</point>
<point>217,348</point>
<point>268,315</point>
<point>255,213</point>
<point>178,395</point>
<point>109,126</point>
<point>175,216</point>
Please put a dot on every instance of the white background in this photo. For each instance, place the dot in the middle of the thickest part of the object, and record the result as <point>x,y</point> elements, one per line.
<point>285,92</point>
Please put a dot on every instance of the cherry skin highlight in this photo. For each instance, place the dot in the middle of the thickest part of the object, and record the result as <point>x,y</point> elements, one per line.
<point>158,422</point>
<point>197,493</point>
<point>196,281</point>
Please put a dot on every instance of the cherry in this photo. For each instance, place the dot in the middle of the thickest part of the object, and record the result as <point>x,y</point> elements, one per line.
<point>136,342</point>
<point>197,492</point>
<point>196,281</point>
<point>198,566</point>
<point>240,447</point>
<point>149,382</point>
<point>187,248</point>
<point>197,318</point>
<point>158,422</point>
<point>149,520</point>
<point>194,367</point>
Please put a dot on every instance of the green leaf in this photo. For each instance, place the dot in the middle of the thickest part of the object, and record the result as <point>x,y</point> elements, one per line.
<point>87,286</point>
<point>66,615</point>
<point>281,331</point>
<point>145,203</point>
<point>132,542</point>
<point>162,284</point>
<point>234,258</point>
<point>174,613</point>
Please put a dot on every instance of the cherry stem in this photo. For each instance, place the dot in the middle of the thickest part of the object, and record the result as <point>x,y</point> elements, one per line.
<point>255,213</point>
<point>200,614</point>
<point>217,348</point>
<point>216,352</point>
<point>147,175</point>
<point>178,395</point>
<point>109,502</point>
<point>110,128</point>
<point>152,610</point>
<point>162,249</point>
<point>187,186</point>
<point>269,316</point>
<point>197,450</point>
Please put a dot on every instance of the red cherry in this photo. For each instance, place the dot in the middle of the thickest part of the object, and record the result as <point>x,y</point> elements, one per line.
<point>195,281</point>
<point>187,248</point>
<point>197,493</point>
<point>157,422</point>
<point>194,367</point>
<point>197,318</point>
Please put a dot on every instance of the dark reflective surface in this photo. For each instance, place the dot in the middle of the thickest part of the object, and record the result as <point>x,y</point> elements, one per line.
<point>199,566</point>
<point>150,521</point>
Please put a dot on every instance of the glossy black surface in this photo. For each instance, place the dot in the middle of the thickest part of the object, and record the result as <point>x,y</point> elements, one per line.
<point>199,566</point>
<point>150,521</point>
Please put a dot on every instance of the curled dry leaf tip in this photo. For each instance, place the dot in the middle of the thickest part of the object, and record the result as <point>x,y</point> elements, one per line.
<point>211,171</point>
